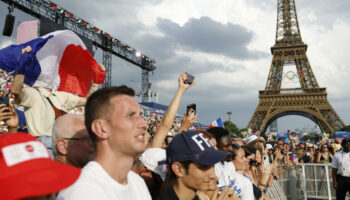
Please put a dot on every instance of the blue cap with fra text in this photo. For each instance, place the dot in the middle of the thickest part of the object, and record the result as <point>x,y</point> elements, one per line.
<point>193,146</point>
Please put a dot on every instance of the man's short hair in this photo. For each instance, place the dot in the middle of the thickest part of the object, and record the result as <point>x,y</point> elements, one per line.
<point>98,104</point>
<point>59,129</point>
<point>170,179</point>
<point>167,138</point>
<point>218,132</point>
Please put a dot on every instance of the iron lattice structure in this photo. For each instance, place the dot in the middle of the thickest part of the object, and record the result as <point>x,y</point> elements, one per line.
<point>309,100</point>
<point>109,45</point>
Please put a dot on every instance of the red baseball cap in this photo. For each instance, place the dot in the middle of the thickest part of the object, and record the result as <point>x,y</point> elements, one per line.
<point>27,169</point>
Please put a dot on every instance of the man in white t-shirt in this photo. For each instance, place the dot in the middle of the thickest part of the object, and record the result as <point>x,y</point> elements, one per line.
<point>117,129</point>
<point>341,170</point>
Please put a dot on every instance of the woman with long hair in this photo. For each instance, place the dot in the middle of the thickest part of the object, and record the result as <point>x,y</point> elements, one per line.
<point>324,155</point>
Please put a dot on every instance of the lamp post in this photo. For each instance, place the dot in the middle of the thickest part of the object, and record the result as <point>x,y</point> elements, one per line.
<point>229,113</point>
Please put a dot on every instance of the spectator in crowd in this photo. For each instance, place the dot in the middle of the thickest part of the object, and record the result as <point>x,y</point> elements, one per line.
<point>71,142</point>
<point>292,146</point>
<point>253,171</point>
<point>161,138</point>
<point>241,165</point>
<point>300,152</point>
<point>301,147</point>
<point>117,129</point>
<point>9,116</point>
<point>341,170</point>
<point>251,141</point>
<point>270,152</point>
<point>170,114</point>
<point>323,155</point>
<point>280,145</point>
<point>191,158</point>
<point>27,171</point>
<point>152,167</point>
<point>222,137</point>
<point>309,156</point>
<point>293,136</point>
<point>44,105</point>
<point>237,140</point>
<point>226,170</point>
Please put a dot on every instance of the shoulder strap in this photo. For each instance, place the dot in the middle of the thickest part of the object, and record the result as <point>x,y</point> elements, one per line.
<point>57,111</point>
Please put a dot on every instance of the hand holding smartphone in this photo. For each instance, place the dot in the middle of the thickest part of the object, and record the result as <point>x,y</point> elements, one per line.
<point>191,109</point>
<point>189,79</point>
<point>4,100</point>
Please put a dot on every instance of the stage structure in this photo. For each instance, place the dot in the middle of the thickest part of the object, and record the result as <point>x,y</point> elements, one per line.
<point>308,100</point>
<point>47,10</point>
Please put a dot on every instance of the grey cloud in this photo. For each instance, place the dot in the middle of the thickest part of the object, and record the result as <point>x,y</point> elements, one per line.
<point>209,36</point>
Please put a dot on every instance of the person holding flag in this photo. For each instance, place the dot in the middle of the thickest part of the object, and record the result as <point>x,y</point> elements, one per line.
<point>59,69</point>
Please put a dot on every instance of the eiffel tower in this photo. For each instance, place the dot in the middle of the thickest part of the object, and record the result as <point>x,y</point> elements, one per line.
<point>308,100</point>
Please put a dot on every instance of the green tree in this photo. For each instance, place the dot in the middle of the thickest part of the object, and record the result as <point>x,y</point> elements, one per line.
<point>232,128</point>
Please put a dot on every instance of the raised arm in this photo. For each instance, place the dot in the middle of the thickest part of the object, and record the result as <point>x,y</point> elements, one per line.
<point>16,88</point>
<point>289,137</point>
<point>170,114</point>
<point>12,121</point>
<point>187,121</point>
<point>18,80</point>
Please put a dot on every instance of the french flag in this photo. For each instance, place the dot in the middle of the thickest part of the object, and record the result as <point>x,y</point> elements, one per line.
<point>217,123</point>
<point>293,157</point>
<point>59,61</point>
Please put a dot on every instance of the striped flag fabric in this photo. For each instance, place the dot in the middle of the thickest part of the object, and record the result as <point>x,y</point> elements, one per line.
<point>293,157</point>
<point>59,61</point>
<point>217,123</point>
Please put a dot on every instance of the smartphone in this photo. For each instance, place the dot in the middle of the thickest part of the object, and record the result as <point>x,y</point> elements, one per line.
<point>266,162</point>
<point>189,79</point>
<point>191,109</point>
<point>4,100</point>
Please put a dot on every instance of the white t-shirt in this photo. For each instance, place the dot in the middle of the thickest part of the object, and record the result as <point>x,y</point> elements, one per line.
<point>341,161</point>
<point>228,177</point>
<point>95,183</point>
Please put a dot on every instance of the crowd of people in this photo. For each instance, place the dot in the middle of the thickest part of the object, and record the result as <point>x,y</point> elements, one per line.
<point>105,146</point>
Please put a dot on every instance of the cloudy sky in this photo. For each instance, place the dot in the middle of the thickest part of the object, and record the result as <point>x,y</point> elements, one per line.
<point>225,44</point>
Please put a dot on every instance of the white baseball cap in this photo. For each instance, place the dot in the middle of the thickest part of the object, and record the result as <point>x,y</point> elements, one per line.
<point>251,138</point>
<point>269,146</point>
<point>155,160</point>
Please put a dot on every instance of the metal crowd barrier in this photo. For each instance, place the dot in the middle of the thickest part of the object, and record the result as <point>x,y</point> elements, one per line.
<point>305,181</point>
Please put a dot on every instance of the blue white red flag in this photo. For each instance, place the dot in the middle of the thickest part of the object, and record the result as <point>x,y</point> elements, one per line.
<point>293,157</point>
<point>58,60</point>
<point>217,123</point>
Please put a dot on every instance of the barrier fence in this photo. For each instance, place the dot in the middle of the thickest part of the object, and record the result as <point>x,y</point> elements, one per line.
<point>305,181</point>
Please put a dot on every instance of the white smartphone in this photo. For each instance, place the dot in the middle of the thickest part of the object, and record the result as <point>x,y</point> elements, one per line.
<point>266,162</point>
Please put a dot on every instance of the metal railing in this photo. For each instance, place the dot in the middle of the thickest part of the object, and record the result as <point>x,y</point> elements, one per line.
<point>306,181</point>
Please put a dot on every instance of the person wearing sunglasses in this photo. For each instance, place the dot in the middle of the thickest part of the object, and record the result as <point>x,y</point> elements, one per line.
<point>71,142</point>
<point>324,156</point>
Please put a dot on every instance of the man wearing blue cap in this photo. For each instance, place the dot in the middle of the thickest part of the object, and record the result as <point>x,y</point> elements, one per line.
<point>191,158</point>
<point>341,170</point>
